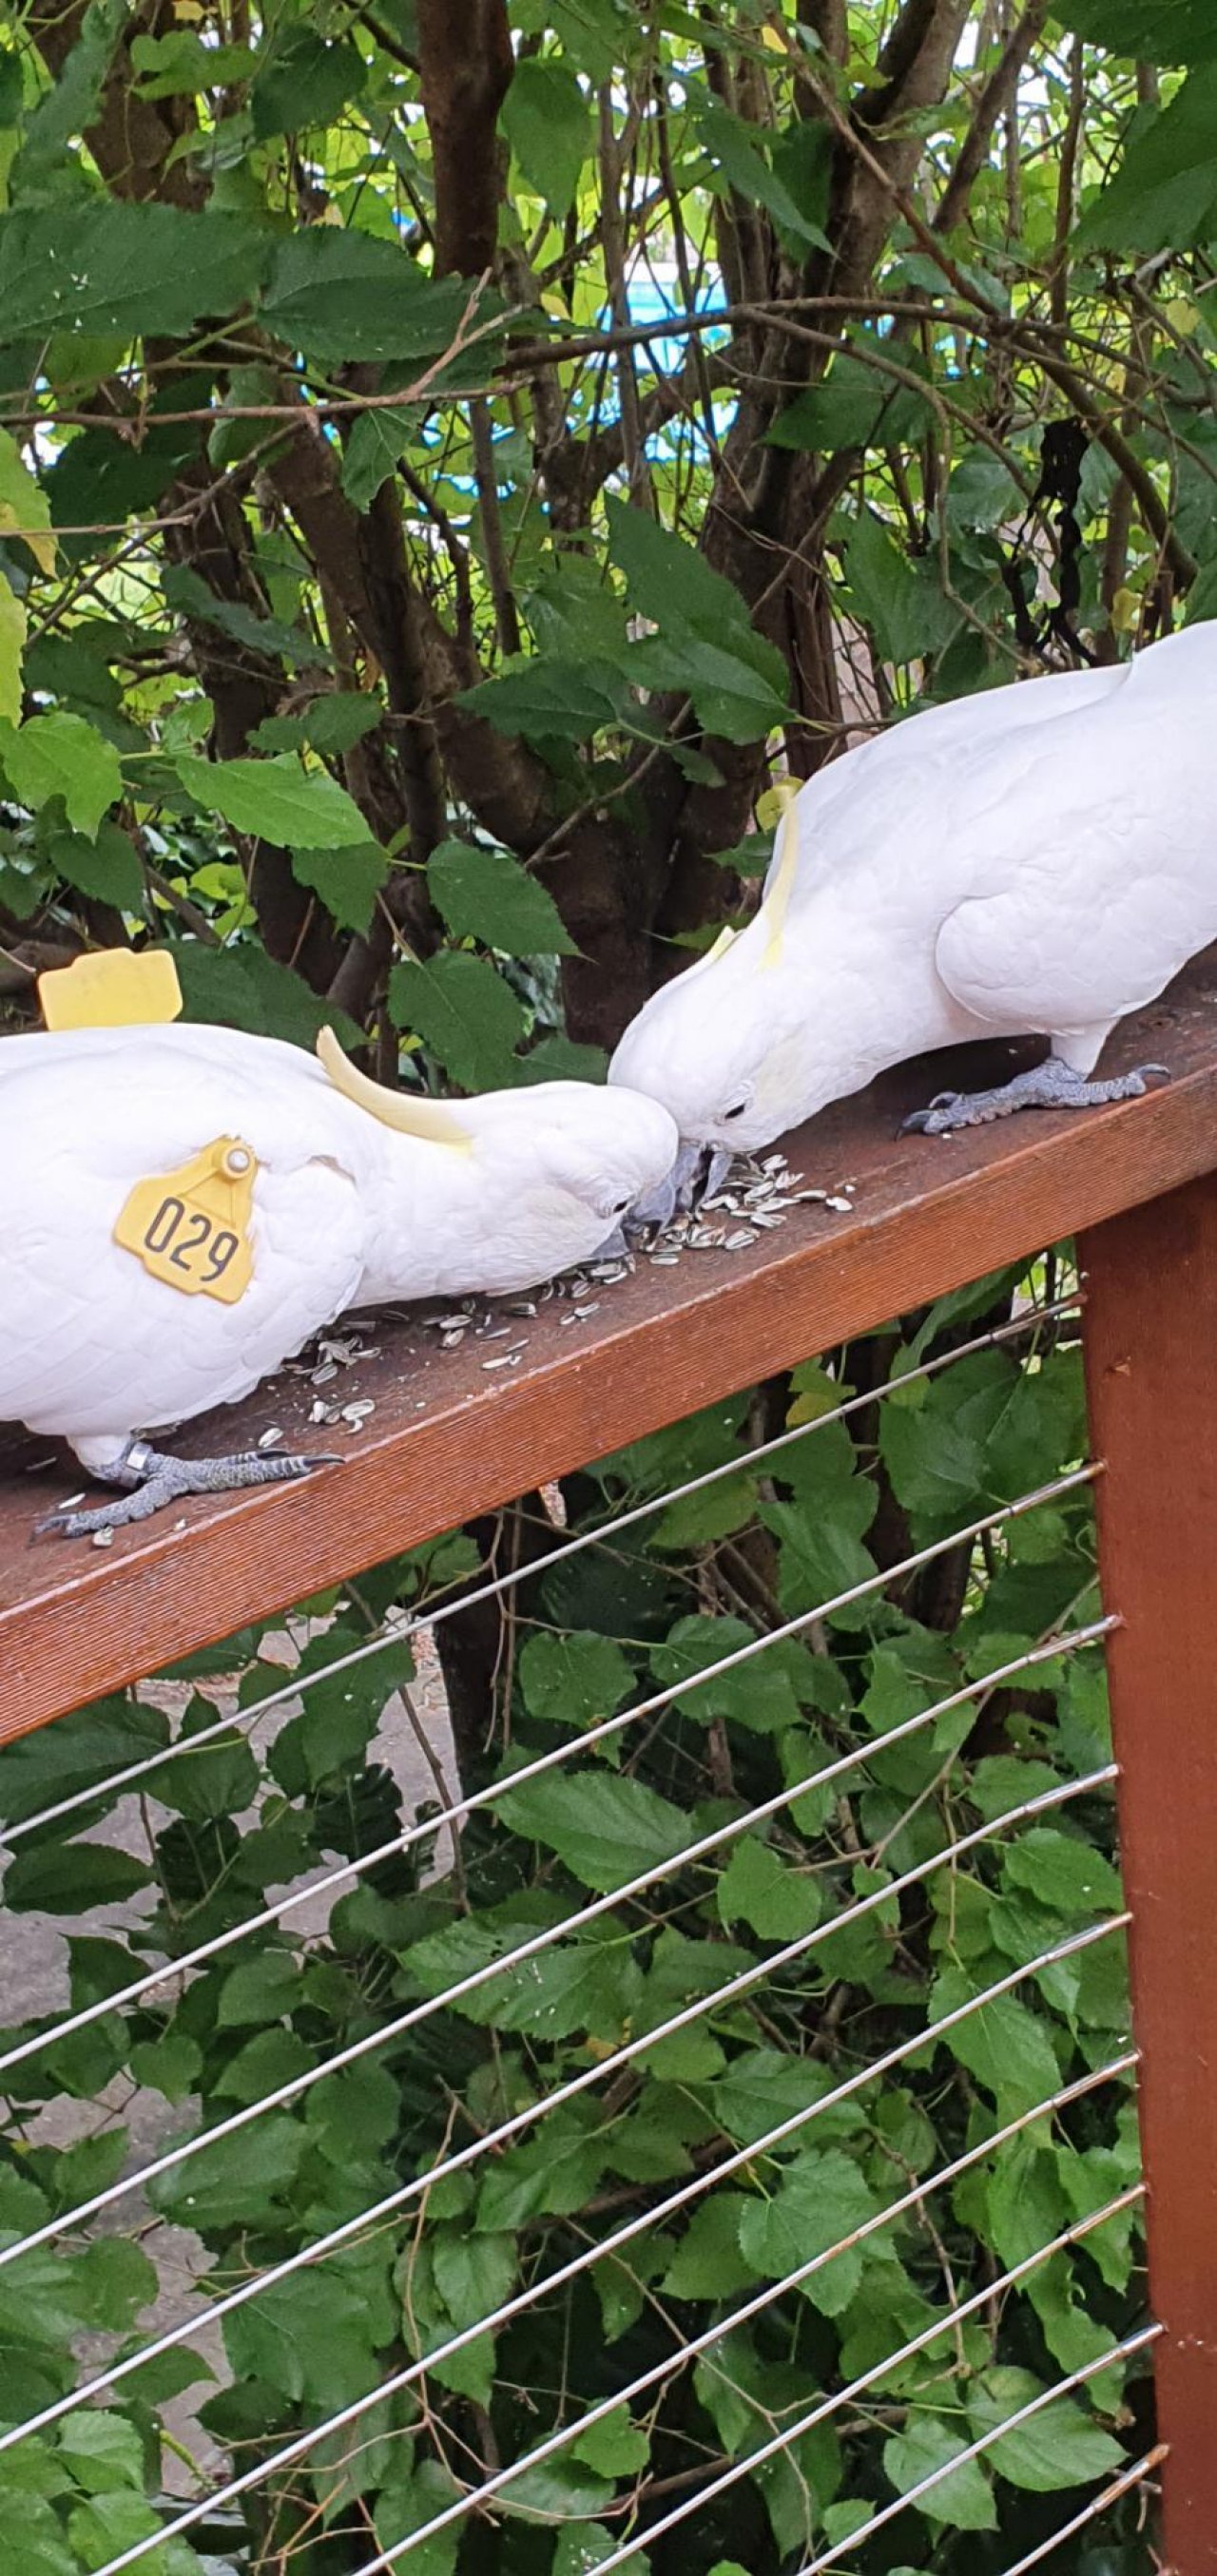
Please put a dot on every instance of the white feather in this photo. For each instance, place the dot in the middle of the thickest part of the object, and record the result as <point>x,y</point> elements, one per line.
<point>1041,858</point>
<point>346,1211</point>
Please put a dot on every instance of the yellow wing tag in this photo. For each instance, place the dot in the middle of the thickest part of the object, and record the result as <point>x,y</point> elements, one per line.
<point>111,989</point>
<point>190,1228</point>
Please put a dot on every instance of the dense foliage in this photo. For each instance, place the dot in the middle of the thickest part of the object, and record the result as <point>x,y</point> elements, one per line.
<point>782,2010</point>
<point>452,444</point>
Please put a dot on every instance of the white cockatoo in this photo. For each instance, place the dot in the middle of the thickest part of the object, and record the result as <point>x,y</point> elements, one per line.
<point>184,1206</point>
<point>1038,859</point>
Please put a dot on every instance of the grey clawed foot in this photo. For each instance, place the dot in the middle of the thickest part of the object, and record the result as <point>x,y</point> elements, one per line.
<point>1050,1085</point>
<point>165,1480</point>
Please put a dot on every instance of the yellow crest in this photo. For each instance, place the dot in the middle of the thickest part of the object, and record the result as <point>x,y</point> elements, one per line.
<point>113,989</point>
<point>777,895</point>
<point>434,1121</point>
<point>190,1228</point>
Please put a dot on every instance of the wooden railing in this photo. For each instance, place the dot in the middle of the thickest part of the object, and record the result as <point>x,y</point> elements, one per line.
<point>450,1438</point>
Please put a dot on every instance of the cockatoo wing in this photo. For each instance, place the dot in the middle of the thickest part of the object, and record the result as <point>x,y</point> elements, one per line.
<point>877,792</point>
<point>92,1345</point>
<point>1085,866</point>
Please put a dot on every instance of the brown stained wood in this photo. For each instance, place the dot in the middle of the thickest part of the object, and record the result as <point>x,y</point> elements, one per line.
<point>1151,1355</point>
<point>449,1438</point>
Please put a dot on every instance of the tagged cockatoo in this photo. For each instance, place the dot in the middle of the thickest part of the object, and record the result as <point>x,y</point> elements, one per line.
<point>184,1206</point>
<point>1039,859</point>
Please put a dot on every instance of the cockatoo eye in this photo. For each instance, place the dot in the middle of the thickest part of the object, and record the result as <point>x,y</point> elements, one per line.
<point>736,1110</point>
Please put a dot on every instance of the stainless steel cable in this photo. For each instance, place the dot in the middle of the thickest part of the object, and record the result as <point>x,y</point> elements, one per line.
<point>819,2414</point>
<point>1125,2351</point>
<point>606,2247</point>
<point>205,1951</point>
<point>746,1463</point>
<point>292,2452</point>
<point>1132,2477</point>
<point>299,2085</point>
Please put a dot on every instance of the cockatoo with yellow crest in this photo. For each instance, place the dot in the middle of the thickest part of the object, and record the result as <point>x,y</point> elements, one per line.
<point>184,1206</point>
<point>1040,859</point>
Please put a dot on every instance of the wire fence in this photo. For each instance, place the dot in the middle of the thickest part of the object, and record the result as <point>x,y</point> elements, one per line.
<point>727,2153</point>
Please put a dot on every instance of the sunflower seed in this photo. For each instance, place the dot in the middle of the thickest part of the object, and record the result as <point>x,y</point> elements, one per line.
<point>735,1242</point>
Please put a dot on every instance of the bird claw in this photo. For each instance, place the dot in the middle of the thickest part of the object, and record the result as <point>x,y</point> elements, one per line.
<point>171,1480</point>
<point>1049,1085</point>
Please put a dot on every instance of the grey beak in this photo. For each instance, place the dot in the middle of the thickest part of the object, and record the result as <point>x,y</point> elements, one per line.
<point>659,1206</point>
<point>720,1165</point>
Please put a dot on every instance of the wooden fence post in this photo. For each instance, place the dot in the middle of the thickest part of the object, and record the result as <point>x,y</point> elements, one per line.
<point>1151,1366</point>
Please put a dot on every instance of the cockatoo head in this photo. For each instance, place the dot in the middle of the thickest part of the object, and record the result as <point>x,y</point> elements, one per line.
<point>561,1168</point>
<point>716,1047</point>
<point>724,1046</point>
<point>509,1188</point>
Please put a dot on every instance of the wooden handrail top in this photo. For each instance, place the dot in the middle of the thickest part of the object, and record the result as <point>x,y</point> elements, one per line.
<point>450,1437</point>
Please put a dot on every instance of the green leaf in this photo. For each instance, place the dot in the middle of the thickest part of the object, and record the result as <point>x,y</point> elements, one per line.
<point>109,2525</point>
<point>734,147</point>
<point>758,1888</point>
<point>303,82</point>
<point>1060,2446</point>
<point>171,2065</point>
<point>346,294</point>
<point>67,1878</point>
<point>1064,1871</point>
<point>113,267</point>
<point>473,2274</point>
<point>605,1830</point>
<point>71,105</point>
<point>179,65</point>
<point>24,504</point>
<point>107,868</point>
<point>1002,2044</point>
<point>484,894</point>
<point>189,595</point>
<point>759,1695</point>
<point>856,405</point>
<point>377,442</point>
<point>822,2198</point>
<point>574,1679</point>
<point>579,2551</point>
<point>960,2497</point>
<point>573,1986</point>
<point>464,1011</point>
<point>1164,193</point>
<point>334,722</point>
<point>259,1990</point>
<point>347,880</point>
<point>302,809</point>
<point>667,579</point>
<point>242,2178</point>
<point>62,755</point>
<point>1151,31</point>
<point>32,2539</point>
<point>550,697</point>
<point>548,123</point>
<point>308,2337</point>
<point>707,2263</point>
<point>243,988</point>
<point>902,603</point>
<point>103,2451</point>
<point>615,2447</point>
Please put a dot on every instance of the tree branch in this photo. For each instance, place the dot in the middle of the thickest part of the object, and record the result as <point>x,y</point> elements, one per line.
<point>465,67</point>
<point>994,102</point>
